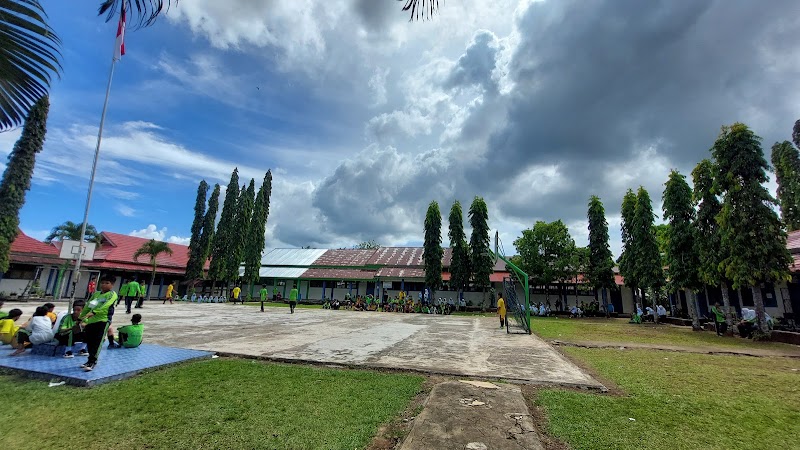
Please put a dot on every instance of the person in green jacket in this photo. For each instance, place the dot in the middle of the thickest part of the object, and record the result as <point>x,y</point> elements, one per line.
<point>69,329</point>
<point>132,295</point>
<point>130,336</point>
<point>292,299</point>
<point>264,294</point>
<point>95,318</point>
<point>141,294</point>
<point>123,292</point>
<point>719,319</point>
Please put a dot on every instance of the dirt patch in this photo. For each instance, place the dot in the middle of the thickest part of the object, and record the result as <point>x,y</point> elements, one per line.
<point>390,435</point>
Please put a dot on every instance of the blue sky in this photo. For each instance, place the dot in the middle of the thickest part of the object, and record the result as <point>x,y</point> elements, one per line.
<point>364,117</point>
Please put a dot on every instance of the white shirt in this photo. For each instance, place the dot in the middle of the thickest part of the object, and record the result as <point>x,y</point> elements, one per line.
<point>748,314</point>
<point>661,310</point>
<point>41,329</point>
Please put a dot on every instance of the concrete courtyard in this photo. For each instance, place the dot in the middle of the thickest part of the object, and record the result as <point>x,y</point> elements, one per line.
<point>451,345</point>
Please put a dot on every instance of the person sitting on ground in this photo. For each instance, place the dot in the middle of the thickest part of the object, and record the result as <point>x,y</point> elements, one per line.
<point>69,330</point>
<point>662,312</point>
<point>575,312</point>
<point>748,323</point>
<point>327,304</point>
<point>51,313</point>
<point>130,336</point>
<point>37,331</point>
<point>8,327</point>
<point>648,315</point>
<point>544,310</point>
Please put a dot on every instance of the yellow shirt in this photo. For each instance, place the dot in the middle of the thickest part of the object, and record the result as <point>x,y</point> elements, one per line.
<point>236,292</point>
<point>8,328</point>
<point>52,316</point>
<point>169,290</point>
<point>501,307</point>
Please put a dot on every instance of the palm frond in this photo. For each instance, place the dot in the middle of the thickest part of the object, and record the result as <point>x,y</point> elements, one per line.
<point>141,13</point>
<point>29,56</point>
<point>421,8</point>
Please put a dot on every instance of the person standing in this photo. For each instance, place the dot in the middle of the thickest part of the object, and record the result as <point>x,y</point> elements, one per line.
<point>292,299</point>
<point>501,309</point>
<point>123,293</point>
<point>95,319</point>
<point>263,293</point>
<point>170,288</point>
<point>142,293</point>
<point>90,288</point>
<point>132,295</point>
<point>235,292</point>
<point>719,319</point>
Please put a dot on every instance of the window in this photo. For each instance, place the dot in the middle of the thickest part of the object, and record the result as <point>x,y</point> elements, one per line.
<point>20,272</point>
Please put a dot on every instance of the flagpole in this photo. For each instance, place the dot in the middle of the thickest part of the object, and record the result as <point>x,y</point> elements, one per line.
<point>81,247</point>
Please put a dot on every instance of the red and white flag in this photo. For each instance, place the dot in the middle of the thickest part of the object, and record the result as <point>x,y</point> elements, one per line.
<point>119,46</point>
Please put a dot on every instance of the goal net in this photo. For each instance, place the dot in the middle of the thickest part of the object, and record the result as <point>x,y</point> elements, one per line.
<point>515,293</point>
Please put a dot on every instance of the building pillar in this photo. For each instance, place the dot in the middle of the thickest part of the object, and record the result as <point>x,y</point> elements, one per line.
<point>160,286</point>
<point>324,288</point>
<point>49,279</point>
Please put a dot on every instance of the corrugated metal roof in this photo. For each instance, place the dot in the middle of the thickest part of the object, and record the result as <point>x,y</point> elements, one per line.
<point>281,272</point>
<point>292,256</point>
<point>397,256</point>
<point>339,274</point>
<point>345,258</point>
<point>401,273</point>
<point>793,241</point>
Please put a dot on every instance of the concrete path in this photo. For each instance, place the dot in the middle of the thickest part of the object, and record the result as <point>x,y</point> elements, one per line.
<point>450,345</point>
<point>462,416</point>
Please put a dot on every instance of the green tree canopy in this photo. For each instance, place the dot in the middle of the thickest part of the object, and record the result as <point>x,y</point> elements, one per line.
<point>600,265</point>
<point>648,265</point>
<point>258,225</point>
<point>547,252</point>
<point>241,229</point>
<point>708,242</point>
<point>209,220</point>
<point>482,262</point>
<point>786,161</point>
<point>16,179</point>
<point>459,261</point>
<point>224,238</point>
<point>194,266</point>
<point>753,236</point>
<point>432,250</point>
<point>72,231</point>
<point>367,245</point>
<point>627,259</point>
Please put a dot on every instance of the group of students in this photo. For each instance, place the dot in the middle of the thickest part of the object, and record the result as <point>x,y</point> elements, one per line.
<point>402,302</point>
<point>649,314</point>
<point>88,323</point>
<point>131,292</point>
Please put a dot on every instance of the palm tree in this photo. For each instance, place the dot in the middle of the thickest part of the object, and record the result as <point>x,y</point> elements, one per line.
<point>72,231</point>
<point>152,248</point>
<point>29,54</point>
<point>424,8</point>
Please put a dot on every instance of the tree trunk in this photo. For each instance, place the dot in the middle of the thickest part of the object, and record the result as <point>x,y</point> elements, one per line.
<point>726,303</point>
<point>761,318</point>
<point>692,304</point>
<point>150,290</point>
<point>655,309</point>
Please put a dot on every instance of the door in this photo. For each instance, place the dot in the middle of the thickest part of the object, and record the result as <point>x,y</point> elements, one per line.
<point>616,300</point>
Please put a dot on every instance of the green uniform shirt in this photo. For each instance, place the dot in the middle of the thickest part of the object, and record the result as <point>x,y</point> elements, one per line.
<point>67,323</point>
<point>720,315</point>
<point>123,290</point>
<point>99,304</point>
<point>3,315</point>
<point>293,295</point>
<point>142,290</point>
<point>133,289</point>
<point>263,292</point>
<point>134,335</point>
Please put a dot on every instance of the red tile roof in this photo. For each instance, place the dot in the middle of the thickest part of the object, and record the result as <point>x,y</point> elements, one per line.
<point>793,241</point>
<point>339,274</point>
<point>26,244</point>
<point>118,249</point>
<point>344,258</point>
<point>397,256</point>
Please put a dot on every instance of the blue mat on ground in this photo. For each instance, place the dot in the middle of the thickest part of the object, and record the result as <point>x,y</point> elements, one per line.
<point>113,365</point>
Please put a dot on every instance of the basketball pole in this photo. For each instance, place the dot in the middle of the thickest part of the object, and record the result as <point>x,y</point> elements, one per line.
<point>81,248</point>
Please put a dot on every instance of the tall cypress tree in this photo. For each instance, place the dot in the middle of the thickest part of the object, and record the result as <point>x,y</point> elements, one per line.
<point>796,134</point>
<point>254,246</point>
<point>683,261</point>
<point>17,176</point>
<point>647,265</point>
<point>627,260</point>
<point>432,250</point>
<point>753,236</point>
<point>786,161</point>
<point>708,239</point>
<point>244,215</point>
<point>223,238</point>
<point>600,270</point>
<point>482,263</point>
<point>207,236</point>
<point>194,267</point>
<point>459,262</point>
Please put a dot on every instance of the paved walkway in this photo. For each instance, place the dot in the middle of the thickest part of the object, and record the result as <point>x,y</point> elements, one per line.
<point>451,345</point>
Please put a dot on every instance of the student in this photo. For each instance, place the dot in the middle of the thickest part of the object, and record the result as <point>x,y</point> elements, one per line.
<point>95,318</point>
<point>292,299</point>
<point>140,296</point>
<point>130,336</point>
<point>123,295</point>
<point>69,329</point>
<point>133,295</point>
<point>748,324</point>
<point>662,312</point>
<point>90,288</point>
<point>37,331</point>
<point>263,293</point>
<point>170,288</point>
<point>501,309</point>
<point>8,327</point>
<point>720,325</point>
<point>235,294</point>
<point>51,313</point>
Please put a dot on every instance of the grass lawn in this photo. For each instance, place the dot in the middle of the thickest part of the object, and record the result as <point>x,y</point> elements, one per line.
<point>221,403</point>
<point>680,401</point>
<point>619,330</point>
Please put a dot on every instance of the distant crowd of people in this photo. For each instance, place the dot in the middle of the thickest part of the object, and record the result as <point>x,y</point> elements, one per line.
<point>403,302</point>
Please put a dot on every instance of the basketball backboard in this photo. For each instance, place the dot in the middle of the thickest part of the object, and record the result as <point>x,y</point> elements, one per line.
<point>71,249</point>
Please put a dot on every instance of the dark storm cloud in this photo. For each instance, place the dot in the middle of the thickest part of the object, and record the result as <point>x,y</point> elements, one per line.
<point>476,65</point>
<point>374,14</point>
